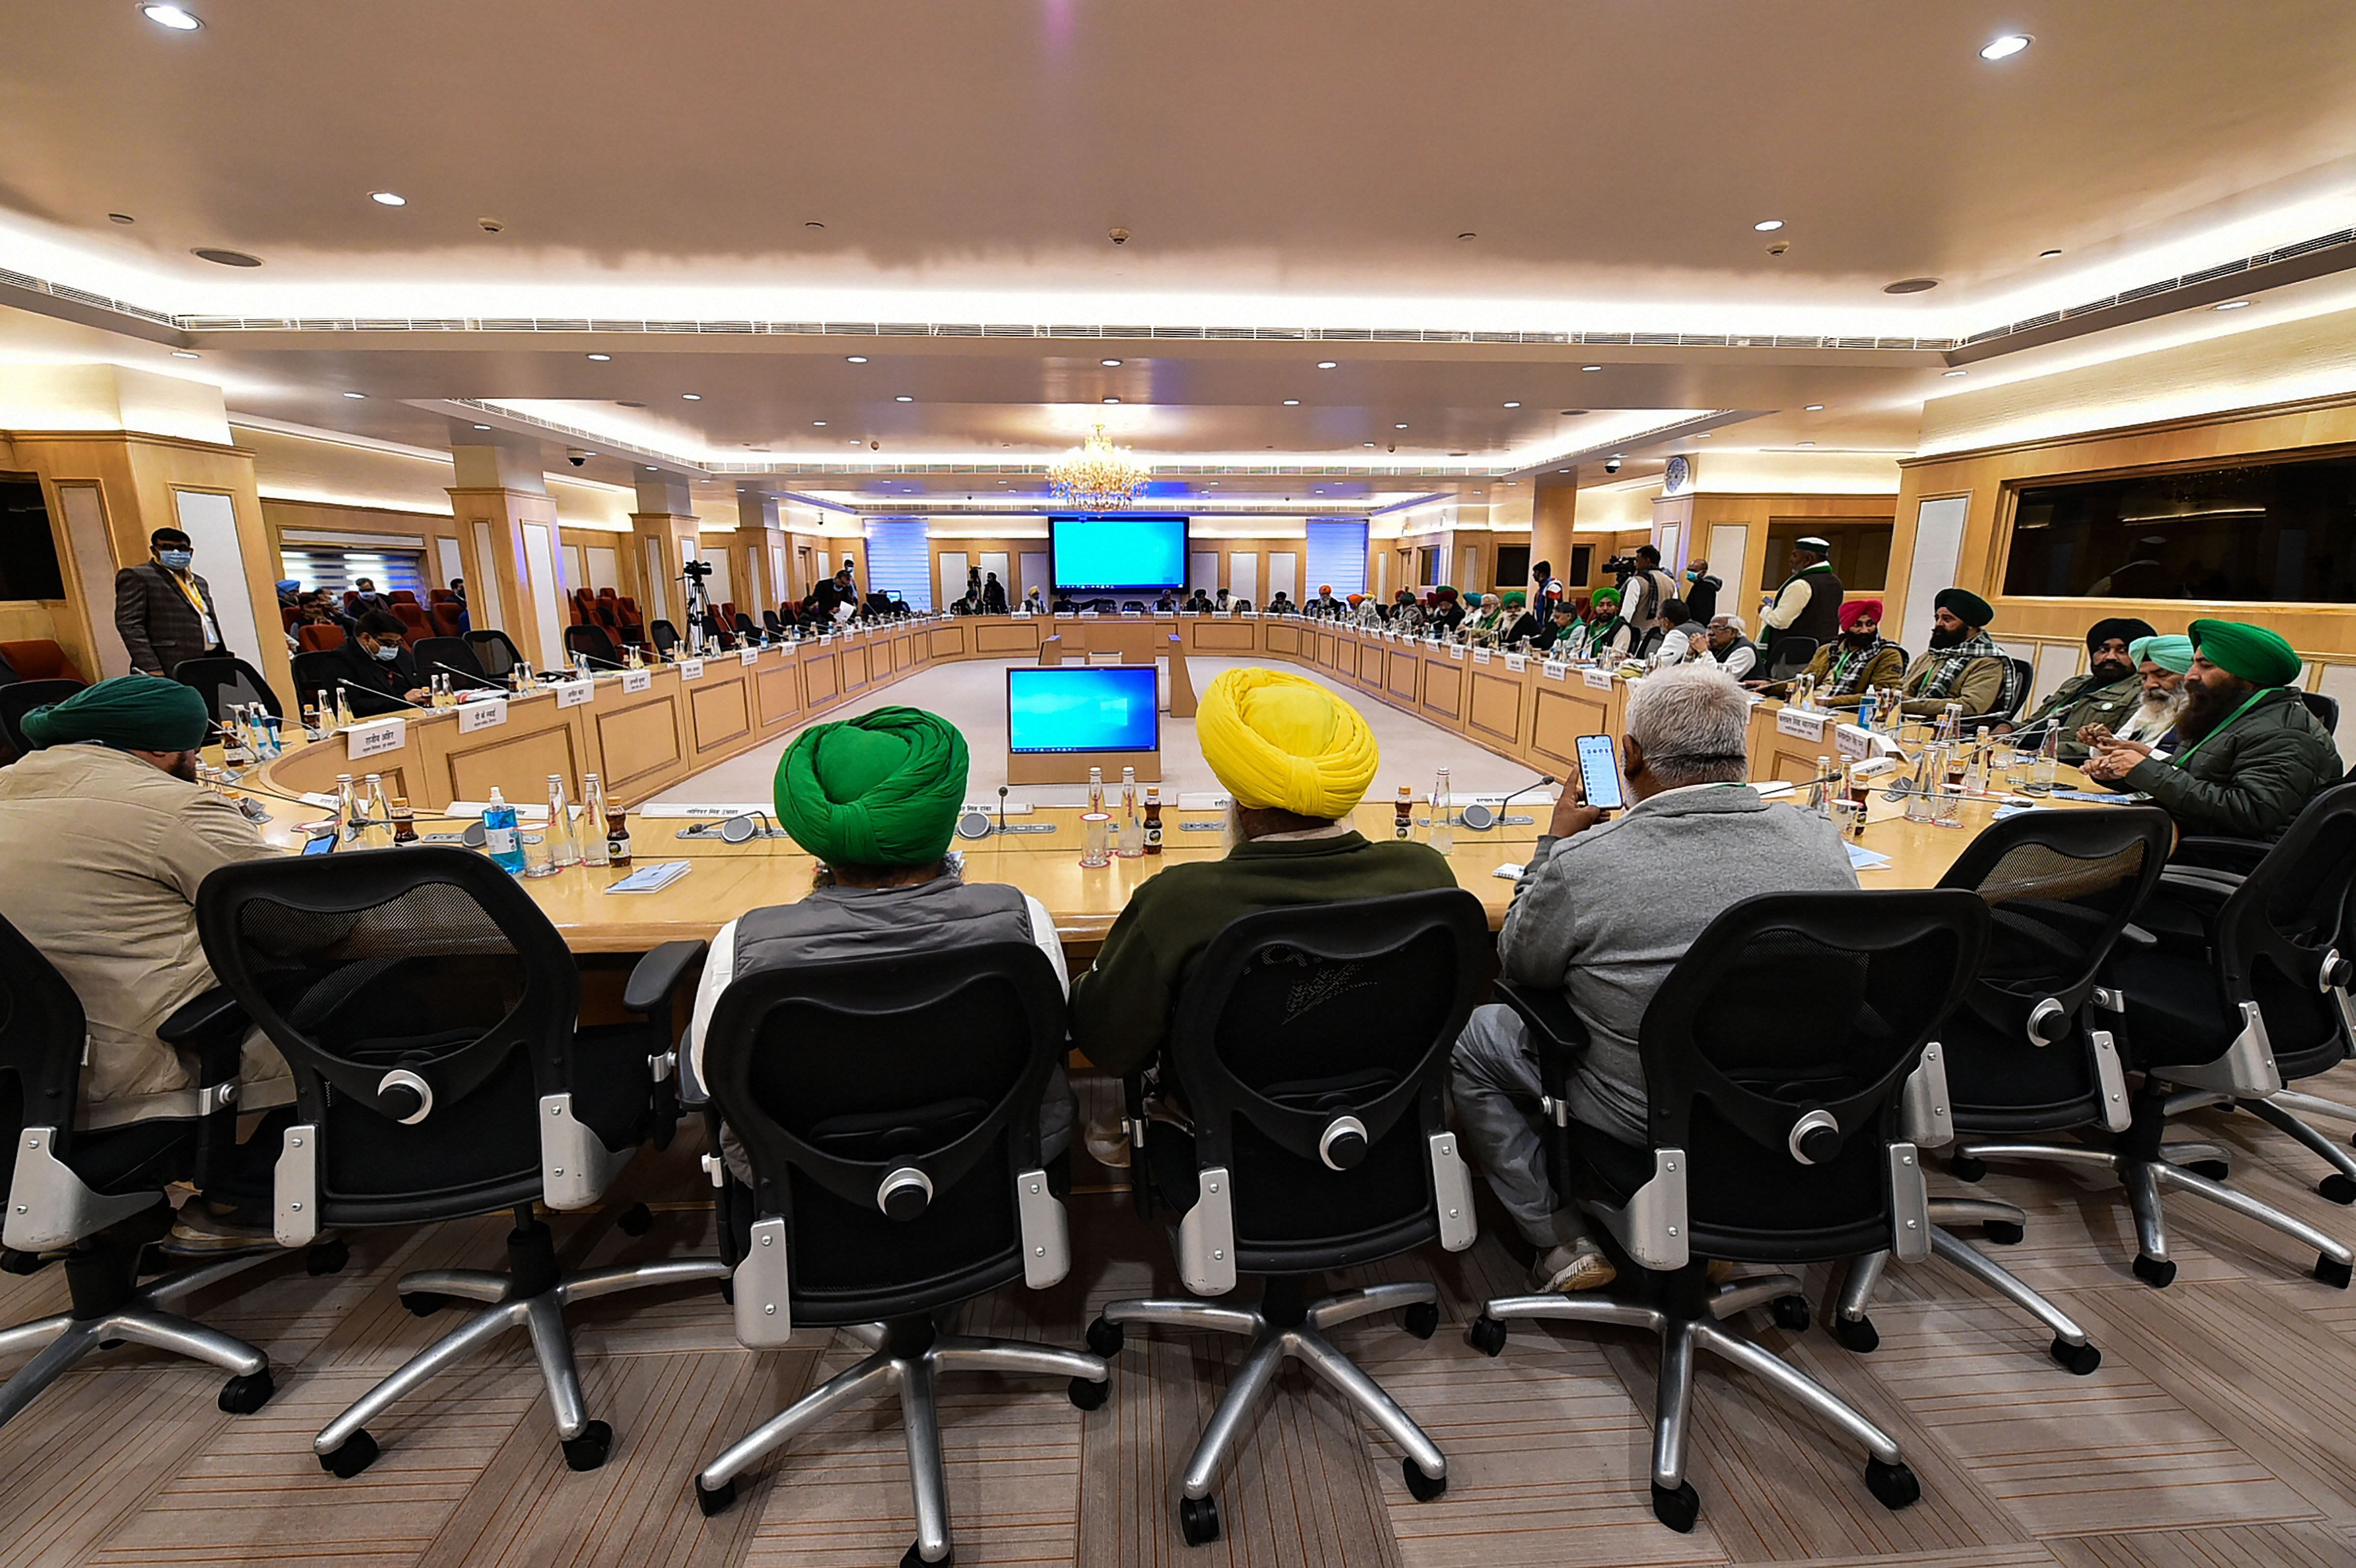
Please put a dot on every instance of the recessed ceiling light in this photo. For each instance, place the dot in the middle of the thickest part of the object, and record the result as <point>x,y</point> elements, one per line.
<point>1327,364</point>
<point>220,258</point>
<point>1807,444</point>
<point>1703,435</point>
<point>1768,226</point>
<point>1112,400</point>
<point>388,199</point>
<point>1512,405</point>
<point>356,394</point>
<point>1591,367</point>
<point>482,426</point>
<point>855,359</point>
<point>1399,426</point>
<point>2005,47</point>
<point>119,218</point>
<point>172,17</point>
<point>1368,444</point>
<point>650,468</point>
<point>1215,483</point>
<point>1468,234</point>
<point>588,454</point>
<point>1109,364</point>
<point>2232,304</point>
<point>1815,408</point>
<point>2049,255</point>
<point>184,354</point>
<point>1621,456</point>
<point>1952,374</point>
<point>818,424</point>
<point>601,359</point>
<point>1292,403</point>
<point>1910,285</point>
<point>904,398</point>
<point>692,396</point>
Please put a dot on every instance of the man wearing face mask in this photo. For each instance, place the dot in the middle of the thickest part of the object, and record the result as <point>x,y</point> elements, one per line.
<point>163,610</point>
<point>2105,695</point>
<point>375,669</point>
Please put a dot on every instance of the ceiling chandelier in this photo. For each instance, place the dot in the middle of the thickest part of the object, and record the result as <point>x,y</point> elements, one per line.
<point>1099,476</point>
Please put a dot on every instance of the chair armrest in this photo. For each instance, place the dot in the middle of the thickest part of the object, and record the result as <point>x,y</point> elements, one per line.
<point>1557,1029</point>
<point>657,976</point>
<point>2239,854</point>
<point>212,1027</point>
<point>203,1023</point>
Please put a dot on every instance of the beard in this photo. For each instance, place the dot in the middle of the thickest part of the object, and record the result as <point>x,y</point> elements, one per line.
<point>1861,639</point>
<point>2205,706</point>
<point>183,767</point>
<point>1943,639</point>
<point>2110,672</point>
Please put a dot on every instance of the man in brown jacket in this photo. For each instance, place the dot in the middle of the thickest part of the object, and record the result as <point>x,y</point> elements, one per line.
<point>164,610</point>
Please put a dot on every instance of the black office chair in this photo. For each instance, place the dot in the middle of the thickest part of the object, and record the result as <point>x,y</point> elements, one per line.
<point>665,637</point>
<point>98,1194</point>
<point>20,697</point>
<point>748,633</point>
<point>451,656</point>
<point>890,1182</point>
<point>429,1012</point>
<point>224,681</point>
<point>2024,683</point>
<point>1311,1048</point>
<point>774,627</point>
<point>317,672</point>
<point>593,641</point>
<point>2029,1051</point>
<point>494,652</point>
<point>2255,994</point>
<point>8,676</point>
<point>2325,708</point>
<point>1790,655</point>
<point>1777,1058</point>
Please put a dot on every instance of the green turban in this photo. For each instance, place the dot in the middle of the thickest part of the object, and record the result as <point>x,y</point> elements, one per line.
<point>2247,652</point>
<point>1606,597</point>
<point>132,713</point>
<point>2169,653</point>
<point>1516,599</point>
<point>882,789</point>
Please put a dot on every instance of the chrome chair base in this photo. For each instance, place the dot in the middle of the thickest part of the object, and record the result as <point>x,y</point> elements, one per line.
<point>2070,1348</point>
<point>1281,1328</point>
<point>908,1357</point>
<point>64,1339</point>
<point>2147,1179</point>
<point>1674,1501</point>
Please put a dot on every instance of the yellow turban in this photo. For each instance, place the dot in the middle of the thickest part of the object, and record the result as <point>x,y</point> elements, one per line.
<point>1283,741</point>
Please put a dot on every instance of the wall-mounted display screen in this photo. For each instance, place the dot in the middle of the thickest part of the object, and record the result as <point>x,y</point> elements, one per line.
<point>1117,554</point>
<point>1077,708</point>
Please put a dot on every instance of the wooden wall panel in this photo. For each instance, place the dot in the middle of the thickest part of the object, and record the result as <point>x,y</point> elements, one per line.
<point>778,693</point>
<point>821,680</point>
<point>721,714</point>
<point>1019,638</point>
<point>1443,688</point>
<point>1497,705</point>
<point>1217,637</point>
<point>1401,665</point>
<point>639,739</point>
<point>517,752</point>
<point>1284,637</point>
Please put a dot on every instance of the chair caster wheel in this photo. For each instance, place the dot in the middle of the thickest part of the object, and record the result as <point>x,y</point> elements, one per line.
<point>326,1257</point>
<point>2337,1187</point>
<point>2214,1170</point>
<point>914,1557</point>
<point>634,1221</point>
<point>1790,1312</point>
<point>1086,1395</point>
<point>1105,1338</point>
<point>1892,1486</point>
<point>1425,1488</point>
<point>2076,1360</point>
<point>1198,1520</point>
<point>715,1500</point>
<point>1422,1319</point>
<point>243,1397</point>
<point>2331,1273</point>
<point>2156,1273</point>
<point>1486,1335</point>
<point>357,1454</point>
<point>1963,1168</point>
<point>423,1303</point>
<point>2003,1232</point>
<point>1676,1507</point>
<point>1856,1334</point>
<point>588,1451</point>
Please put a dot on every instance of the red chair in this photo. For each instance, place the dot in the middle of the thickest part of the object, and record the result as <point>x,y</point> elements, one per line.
<point>400,596</point>
<point>290,617</point>
<point>38,658</point>
<point>445,618</point>
<point>321,638</point>
<point>440,596</point>
<point>412,617</point>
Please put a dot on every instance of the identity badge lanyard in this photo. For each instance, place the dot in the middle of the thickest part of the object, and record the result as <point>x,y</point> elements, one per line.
<point>2186,755</point>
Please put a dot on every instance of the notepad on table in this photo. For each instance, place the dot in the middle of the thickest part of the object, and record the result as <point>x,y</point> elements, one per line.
<point>651,879</point>
<point>1861,859</point>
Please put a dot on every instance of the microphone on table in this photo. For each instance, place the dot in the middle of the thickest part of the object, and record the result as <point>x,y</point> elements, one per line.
<point>609,664</point>
<point>469,674</point>
<point>1488,819</point>
<point>1001,808</point>
<point>371,691</point>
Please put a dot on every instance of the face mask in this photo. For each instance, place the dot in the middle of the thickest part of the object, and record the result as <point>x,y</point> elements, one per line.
<point>387,652</point>
<point>178,559</point>
<point>1692,577</point>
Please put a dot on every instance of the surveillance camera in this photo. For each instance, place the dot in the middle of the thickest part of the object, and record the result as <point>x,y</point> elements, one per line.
<point>576,457</point>
<point>874,446</point>
<point>1611,465</point>
<point>1118,236</point>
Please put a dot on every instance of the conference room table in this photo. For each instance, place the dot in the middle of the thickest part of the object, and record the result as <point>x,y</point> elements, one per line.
<point>646,732</point>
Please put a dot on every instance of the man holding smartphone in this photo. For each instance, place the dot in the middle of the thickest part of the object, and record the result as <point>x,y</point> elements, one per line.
<point>1589,915</point>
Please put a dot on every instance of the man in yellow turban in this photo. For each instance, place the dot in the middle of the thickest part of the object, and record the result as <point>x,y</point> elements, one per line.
<point>876,799</point>
<point>1295,760</point>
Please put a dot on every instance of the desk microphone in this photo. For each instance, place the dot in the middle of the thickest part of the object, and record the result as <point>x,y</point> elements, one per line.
<point>1487,819</point>
<point>1001,808</point>
<point>469,674</point>
<point>386,696</point>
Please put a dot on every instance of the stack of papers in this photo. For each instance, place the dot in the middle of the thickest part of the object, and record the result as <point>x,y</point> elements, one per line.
<point>1861,859</point>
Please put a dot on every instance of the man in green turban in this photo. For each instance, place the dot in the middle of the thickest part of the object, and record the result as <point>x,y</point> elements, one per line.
<point>104,837</point>
<point>2250,755</point>
<point>876,799</point>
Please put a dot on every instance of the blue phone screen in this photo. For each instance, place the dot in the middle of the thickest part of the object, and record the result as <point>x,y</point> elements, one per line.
<point>1598,771</point>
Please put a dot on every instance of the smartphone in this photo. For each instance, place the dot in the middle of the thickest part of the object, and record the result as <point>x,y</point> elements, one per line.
<point>1598,772</point>
<point>320,843</point>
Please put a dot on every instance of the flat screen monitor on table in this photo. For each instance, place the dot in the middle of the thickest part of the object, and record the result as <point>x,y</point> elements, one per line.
<point>1117,554</point>
<point>1077,708</point>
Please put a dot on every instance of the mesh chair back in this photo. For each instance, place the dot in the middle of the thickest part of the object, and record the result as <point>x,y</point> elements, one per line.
<point>21,699</point>
<point>1787,1004</point>
<point>1294,1017</point>
<point>1790,656</point>
<point>666,637</point>
<point>433,654</point>
<point>592,641</point>
<point>426,961</point>
<point>316,672</point>
<point>2024,682</point>
<point>42,1040</point>
<point>494,653</point>
<point>2290,915</point>
<point>834,1076</point>
<point>224,681</point>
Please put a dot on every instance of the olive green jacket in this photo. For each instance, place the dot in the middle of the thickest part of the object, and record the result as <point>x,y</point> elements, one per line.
<point>2084,700</point>
<point>2250,779</point>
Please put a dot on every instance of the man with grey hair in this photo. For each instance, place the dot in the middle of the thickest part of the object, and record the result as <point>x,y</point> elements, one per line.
<point>1730,645</point>
<point>1696,839</point>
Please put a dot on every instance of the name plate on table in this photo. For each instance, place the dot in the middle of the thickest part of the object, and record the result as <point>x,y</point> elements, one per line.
<point>1132,614</point>
<point>1064,614</point>
<point>1597,680</point>
<point>1091,614</point>
<point>572,693</point>
<point>1553,670</point>
<point>1456,651</point>
<point>1165,615</point>
<point>1852,741</point>
<point>748,656</point>
<point>1223,614</point>
<point>691,669</point>
<point>1801,724</point>
<point>489,711</point>
<point>375,737</point>
<point>1517,662</point>
<point>1250,614</point>
<point>1480,655</point>
<point>636,680</point>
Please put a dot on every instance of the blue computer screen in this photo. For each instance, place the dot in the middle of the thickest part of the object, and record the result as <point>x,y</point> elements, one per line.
<point>1117,554</point>
<point>1080,708</point>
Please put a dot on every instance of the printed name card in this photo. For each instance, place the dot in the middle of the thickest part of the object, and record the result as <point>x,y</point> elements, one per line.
<point>748,656</point>
<point>492,711</point>
<point>691,669</point>
<point>636,680</point>
<point>1456,651</point>
<point>1165,615</point>
<point>1554,670</point>
<point>1517,662</point>
<point>1064,615</point>
<point>376,737</point>
<point>1132,615</point>
<point>1851,740</point>
<point>1801,724</point>
<point>1091,614</point>
<point>572,693</point>
<point>1597,680</point>
<point>1250,614</point>
<point>1480,655</point>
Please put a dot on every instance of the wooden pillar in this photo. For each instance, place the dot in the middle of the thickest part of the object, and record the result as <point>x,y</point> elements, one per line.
<point>1553,511</point>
